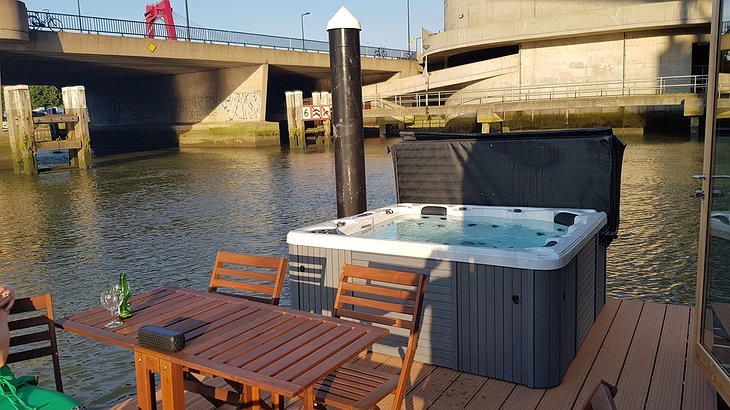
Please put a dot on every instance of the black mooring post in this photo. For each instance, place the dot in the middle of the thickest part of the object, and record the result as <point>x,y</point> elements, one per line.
<point>344,35</point>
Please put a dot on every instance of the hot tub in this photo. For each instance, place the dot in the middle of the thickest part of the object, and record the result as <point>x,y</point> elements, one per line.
<point>512,291</point>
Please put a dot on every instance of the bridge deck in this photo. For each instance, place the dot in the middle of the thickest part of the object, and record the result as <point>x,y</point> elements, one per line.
<point>643,348</point>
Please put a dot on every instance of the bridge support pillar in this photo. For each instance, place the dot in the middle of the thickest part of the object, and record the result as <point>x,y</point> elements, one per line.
<point>20,125</point>
<point>486,119</point>
<point>694,127</point>
<point>74,102</point>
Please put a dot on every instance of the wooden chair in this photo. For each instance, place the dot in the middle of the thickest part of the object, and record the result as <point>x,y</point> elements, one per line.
<point>228,273</point>
<point>33,333</point>
<point>380,296</point>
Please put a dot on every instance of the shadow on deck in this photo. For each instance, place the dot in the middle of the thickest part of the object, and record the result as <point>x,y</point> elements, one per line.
<point>645,349</point>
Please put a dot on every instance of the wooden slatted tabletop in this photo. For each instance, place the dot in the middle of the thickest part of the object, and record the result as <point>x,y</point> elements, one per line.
<point>261,346</point>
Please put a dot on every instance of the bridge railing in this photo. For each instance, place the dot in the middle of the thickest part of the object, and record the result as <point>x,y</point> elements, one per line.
<point>693,84</point>
<point>48,21</point>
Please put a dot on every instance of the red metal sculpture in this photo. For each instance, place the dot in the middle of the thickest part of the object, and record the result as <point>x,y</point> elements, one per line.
<point>161,10</point>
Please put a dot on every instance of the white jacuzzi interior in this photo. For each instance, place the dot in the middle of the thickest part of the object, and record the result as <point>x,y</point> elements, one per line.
<point>549,238</point>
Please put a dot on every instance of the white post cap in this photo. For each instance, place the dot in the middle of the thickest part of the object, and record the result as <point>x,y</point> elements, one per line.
<point>343,19</point>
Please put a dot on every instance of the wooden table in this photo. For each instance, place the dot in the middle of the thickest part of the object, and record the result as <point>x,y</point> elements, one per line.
<point>262,347</point>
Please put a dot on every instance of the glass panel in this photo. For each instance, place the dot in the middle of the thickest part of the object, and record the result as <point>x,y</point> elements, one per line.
<point>716,334</point>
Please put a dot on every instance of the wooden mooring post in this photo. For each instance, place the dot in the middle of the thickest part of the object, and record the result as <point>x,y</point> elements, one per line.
<point>323,98</point>
<point>21,126</point>
<point>295,121</point>
<point>74,103</point>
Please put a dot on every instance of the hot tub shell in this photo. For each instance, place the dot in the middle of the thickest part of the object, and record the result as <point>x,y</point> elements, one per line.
<point>514,314</point>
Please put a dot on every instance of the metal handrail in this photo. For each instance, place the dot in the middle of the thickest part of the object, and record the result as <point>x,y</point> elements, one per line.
<point>48,21</point>
<point>692,84</point>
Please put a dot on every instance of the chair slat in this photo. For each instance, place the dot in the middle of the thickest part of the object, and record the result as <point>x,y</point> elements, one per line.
<point>376,304</point>
<point>30,354</point>
<point>246,274</point>
<point>248,260</point>
<point>368,317</point>
<point>250,287</point>
<point>379,291</point>
<point>381,275</point>
<point>27,322</point>
<point>30,338</point>
<point>29,304</point>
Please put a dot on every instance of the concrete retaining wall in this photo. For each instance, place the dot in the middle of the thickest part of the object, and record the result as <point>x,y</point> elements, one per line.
<point>225,107</point>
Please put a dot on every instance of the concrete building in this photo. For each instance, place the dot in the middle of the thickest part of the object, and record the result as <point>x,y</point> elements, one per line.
<point>523,44</point>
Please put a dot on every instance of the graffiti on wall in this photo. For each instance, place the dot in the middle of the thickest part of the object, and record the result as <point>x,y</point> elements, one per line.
<point>243,106</point>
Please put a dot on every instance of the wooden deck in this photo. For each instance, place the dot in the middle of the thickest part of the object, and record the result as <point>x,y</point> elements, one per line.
<point>642,348</point>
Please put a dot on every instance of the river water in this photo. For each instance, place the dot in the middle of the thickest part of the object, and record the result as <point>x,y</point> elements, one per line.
<point>161,216</point>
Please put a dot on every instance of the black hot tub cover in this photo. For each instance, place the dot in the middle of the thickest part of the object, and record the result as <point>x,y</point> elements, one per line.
<point>552,169</point>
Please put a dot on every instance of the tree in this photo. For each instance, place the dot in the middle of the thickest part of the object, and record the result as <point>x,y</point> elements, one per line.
<point>44,96</point>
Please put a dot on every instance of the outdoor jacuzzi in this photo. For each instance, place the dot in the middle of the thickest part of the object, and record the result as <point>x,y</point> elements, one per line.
<point>512,291</point>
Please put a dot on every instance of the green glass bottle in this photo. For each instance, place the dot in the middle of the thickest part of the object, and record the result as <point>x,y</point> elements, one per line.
<point>125,307</point>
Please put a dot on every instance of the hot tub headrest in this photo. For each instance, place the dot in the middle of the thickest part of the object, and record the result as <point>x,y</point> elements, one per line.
<point>554,169</point>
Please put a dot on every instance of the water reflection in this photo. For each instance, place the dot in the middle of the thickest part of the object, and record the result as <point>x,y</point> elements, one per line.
<point>655,256</point>
<point>161,216</point>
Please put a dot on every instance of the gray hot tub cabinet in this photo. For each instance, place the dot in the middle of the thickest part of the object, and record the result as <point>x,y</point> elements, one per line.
<point>519,325</point>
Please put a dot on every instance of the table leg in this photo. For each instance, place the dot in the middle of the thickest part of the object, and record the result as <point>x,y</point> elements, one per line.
<point>308,398</point>
<point>173,385</point>
<point>145,383</point>
<point>277,401</point>
<point>253,397</point>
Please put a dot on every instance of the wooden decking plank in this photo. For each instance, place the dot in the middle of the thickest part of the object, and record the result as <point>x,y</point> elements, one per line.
<point>370,360</point>
<point>563,396</point>
<point>491,396</point>
<point>419,371</point>
<point>430,389</point>
<point>611,358</point>
<point>665,391</point>
<point>523,397</point>
<point>461,391</point>
<point>633,385</point>
<point>698,392</point>
<point>193,401</point>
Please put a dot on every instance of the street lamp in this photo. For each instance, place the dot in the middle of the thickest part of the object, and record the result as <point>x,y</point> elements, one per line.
<point>78,7</point>
<point>302,17</point>
<point>425,70</point>
<point>408,19</point>
<point>187,18</point>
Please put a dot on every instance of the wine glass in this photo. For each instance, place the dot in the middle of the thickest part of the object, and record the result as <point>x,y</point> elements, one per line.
<point>110,300</point>
<point>118,290</point>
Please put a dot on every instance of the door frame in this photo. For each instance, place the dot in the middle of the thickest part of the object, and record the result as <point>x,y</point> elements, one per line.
<point>709,366</point>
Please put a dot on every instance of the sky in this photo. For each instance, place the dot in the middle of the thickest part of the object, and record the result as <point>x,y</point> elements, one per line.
<point>384,22</point>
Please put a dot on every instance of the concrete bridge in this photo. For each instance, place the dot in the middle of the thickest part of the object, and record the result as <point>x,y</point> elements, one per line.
<point>158,92</point>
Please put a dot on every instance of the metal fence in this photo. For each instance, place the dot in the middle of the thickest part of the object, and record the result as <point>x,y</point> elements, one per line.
<point>694,84</point>
<point>48,21</point>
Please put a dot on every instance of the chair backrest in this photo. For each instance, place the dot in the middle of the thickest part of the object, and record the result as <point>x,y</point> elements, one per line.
<point>387,297</point>
<point>230,272</point>
<point>33,332</point>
